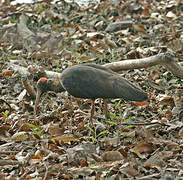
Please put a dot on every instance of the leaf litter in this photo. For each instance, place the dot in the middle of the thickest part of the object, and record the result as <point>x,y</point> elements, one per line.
<point>59,143</point>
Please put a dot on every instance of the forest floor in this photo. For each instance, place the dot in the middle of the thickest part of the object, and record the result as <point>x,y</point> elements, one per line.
<point>138,142</point>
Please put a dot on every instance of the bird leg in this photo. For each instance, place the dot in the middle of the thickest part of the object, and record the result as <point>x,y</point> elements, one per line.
<point>107,116</point>
<point>92,111</point>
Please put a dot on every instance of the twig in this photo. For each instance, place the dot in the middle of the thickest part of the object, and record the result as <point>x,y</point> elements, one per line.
<point>144,124</point>
<point>3,101</point>
<point>46,173</point>
<point>29,88</point>
<point>165,59</point>
<point>8,162</point>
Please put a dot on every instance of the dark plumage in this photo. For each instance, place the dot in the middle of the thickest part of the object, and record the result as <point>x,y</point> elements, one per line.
<point>93,81</point>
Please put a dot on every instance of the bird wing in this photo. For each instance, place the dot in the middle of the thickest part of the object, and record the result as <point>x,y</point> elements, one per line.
<point>127,90</point>
<point>113,86</point>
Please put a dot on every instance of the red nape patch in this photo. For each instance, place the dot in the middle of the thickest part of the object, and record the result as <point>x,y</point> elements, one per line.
<point>43,79</point>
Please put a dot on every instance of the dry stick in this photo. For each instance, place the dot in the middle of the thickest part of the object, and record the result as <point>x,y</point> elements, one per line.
<point>9,152</point>
<point>8,162</point>
<point>3,101</point>
<point>29,88</point>
<point>144,124</point>
<point>165,59</point>
<point>23,71</point>
<point>46,173</point>
<point>37,102</point>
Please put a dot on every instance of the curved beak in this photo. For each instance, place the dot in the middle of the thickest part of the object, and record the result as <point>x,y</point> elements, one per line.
<point>38,95</point>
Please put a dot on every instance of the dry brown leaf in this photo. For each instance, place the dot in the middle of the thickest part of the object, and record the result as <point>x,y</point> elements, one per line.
<point>83,163</point>
<point>171,145</point>
<point>11,157</point>
<point>122,151</point>
<point>67,176</point>
<point>20,136</point>
<point>38,156</point>
<point>154,161</point>
<point>155,85</point>
<point>54,147</point>
<point>178,98</point>
<point>133,54</point>
<point>154,74</point>
<point>95,36</point>
<point>145,12</point>
<point>168,114</point>
<point>3,176</point>
<point>165,99</point>
<point>180,134</point>
<point>144,103</point>
<point>101,45</point>
<point>64,139</point>
<point>95,51</point>
<point>140,28</point>
<point>6,73</point>
<point>84,58</point>
<point>96,157</point>
<point>131,171</point>
<point>112,156</point>
<point>56,130</point>
<point>4,129</point>
<point>176,45</point>
<point>143,147</point>
<point>80,126</point>
<point>110,43</point>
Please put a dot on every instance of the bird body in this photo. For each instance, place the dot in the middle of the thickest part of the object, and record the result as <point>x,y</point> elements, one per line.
<point>95,81</point>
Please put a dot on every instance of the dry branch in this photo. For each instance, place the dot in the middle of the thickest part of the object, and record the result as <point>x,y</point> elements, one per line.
<point>24,71</point>
<point>8,162</point>
<point>164,59</point>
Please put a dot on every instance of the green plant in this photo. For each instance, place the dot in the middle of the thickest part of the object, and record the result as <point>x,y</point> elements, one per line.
<point>115,123</point>
<point>5,114</point>
<point>128,126</point>
<point>13,19</point>
<point>94,133</point>
<point>35,129</point>
<point>112,115</point>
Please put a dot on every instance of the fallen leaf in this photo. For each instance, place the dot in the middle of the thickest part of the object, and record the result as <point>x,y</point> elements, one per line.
<point>140,28</point>
<point>112,156</point>
<point>6,73</point>
<point>145,12</point>
<point>20,136</point>
<point>64,139</point>
<point>144,103</point>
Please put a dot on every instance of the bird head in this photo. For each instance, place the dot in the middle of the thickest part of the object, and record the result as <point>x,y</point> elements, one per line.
<point>45,85</point>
